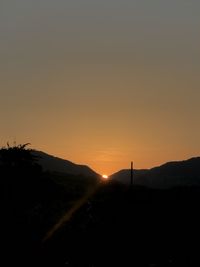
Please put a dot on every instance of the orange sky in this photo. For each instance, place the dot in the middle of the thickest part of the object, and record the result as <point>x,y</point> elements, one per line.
<point>102,83</point>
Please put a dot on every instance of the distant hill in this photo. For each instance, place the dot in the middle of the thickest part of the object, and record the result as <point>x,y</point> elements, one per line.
<point>123,176</point>
<point>171,174</point>
<point>54,164</point>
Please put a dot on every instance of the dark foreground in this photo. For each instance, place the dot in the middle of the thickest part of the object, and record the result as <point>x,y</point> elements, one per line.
<point>116,226</point>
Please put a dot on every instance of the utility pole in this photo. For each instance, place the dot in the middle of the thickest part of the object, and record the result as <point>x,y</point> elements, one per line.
<point>131,174</point>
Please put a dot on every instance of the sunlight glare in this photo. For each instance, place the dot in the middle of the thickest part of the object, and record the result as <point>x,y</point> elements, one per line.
<point>104,176</point>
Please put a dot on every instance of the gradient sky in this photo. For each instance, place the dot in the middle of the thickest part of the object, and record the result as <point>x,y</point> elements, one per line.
<point>102,82</point>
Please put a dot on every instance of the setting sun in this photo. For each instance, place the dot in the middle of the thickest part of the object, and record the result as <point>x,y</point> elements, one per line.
<point>105,176</point>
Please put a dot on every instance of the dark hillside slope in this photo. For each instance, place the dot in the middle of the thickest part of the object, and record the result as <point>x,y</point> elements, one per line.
<point>123,227</point>
<point>55,164</point>
<point>171,174</point>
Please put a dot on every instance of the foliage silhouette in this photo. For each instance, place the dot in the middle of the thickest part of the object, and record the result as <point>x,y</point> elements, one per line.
<point>17,158</point>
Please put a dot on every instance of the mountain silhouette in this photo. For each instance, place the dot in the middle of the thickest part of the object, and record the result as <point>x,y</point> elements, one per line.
<point>57,165</point>
<point>53,218</point>
<point>171,174</point>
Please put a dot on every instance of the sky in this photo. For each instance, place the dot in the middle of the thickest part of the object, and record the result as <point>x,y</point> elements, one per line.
<point>102,83</point>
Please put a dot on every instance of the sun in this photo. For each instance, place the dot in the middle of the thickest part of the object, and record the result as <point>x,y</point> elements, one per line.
<point>104,176</point>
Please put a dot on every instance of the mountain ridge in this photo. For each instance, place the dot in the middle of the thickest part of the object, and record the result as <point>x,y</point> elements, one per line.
<point>170,174</point>
<point>167,175</point>
<point>53,163</point>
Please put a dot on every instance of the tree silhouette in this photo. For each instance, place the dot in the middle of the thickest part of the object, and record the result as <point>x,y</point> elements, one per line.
<point>17,158</point>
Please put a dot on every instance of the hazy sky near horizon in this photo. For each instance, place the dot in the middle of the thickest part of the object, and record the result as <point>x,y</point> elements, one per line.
<point>102,82</point>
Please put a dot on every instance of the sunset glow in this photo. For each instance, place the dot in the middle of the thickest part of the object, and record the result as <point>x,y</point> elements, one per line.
<point>104,176</point>
<point>99,83</point>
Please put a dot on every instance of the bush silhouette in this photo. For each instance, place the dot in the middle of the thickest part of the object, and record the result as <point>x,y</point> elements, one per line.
<point>17,158</point>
